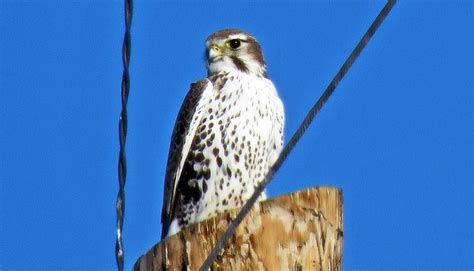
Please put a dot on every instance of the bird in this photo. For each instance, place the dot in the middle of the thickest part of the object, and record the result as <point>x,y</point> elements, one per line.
<point>227,135</point>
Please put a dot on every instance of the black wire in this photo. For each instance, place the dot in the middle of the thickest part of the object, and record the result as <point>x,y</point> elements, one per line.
<point>298,134</point>
<point>123,123</point>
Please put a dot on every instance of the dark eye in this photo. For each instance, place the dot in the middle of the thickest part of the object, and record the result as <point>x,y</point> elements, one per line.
<point>234,44</point>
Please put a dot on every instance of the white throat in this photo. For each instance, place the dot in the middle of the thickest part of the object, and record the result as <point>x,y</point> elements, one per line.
<point>226,64</point>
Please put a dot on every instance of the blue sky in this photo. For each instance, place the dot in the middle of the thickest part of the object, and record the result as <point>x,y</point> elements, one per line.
<point>396,136</point>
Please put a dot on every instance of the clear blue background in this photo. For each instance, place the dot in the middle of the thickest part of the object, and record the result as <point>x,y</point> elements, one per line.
<point>396,136</point>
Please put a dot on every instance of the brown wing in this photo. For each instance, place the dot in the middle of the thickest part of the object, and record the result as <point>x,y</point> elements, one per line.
<point>181,139</point>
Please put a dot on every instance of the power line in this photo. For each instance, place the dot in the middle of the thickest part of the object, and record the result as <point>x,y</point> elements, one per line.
<point>298,134</point>
<point>123,123</point>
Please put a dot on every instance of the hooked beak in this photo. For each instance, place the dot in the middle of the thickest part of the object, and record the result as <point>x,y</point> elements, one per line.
<point>214,52</point>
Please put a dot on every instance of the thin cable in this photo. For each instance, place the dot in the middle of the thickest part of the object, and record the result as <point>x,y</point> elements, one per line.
<point>123,123</point>
<point>296,137</point>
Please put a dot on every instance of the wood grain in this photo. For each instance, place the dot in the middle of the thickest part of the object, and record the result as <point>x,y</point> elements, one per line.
<point>298,231</point>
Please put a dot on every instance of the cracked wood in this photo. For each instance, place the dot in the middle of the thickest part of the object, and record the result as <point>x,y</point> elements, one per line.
<point>298,231</point>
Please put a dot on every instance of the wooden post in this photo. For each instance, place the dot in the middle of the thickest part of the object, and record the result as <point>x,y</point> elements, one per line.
<point>298,231</point>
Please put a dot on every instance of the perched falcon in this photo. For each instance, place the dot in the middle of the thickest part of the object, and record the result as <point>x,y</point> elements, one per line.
<point>228,133</point>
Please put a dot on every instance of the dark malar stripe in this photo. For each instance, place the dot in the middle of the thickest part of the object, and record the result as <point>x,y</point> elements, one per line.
<point>239,64</point>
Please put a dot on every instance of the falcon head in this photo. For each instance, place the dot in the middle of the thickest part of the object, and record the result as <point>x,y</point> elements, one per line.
<point>234,50</point>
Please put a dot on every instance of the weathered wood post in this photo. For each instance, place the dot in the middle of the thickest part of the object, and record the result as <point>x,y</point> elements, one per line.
<point>298,231</point>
